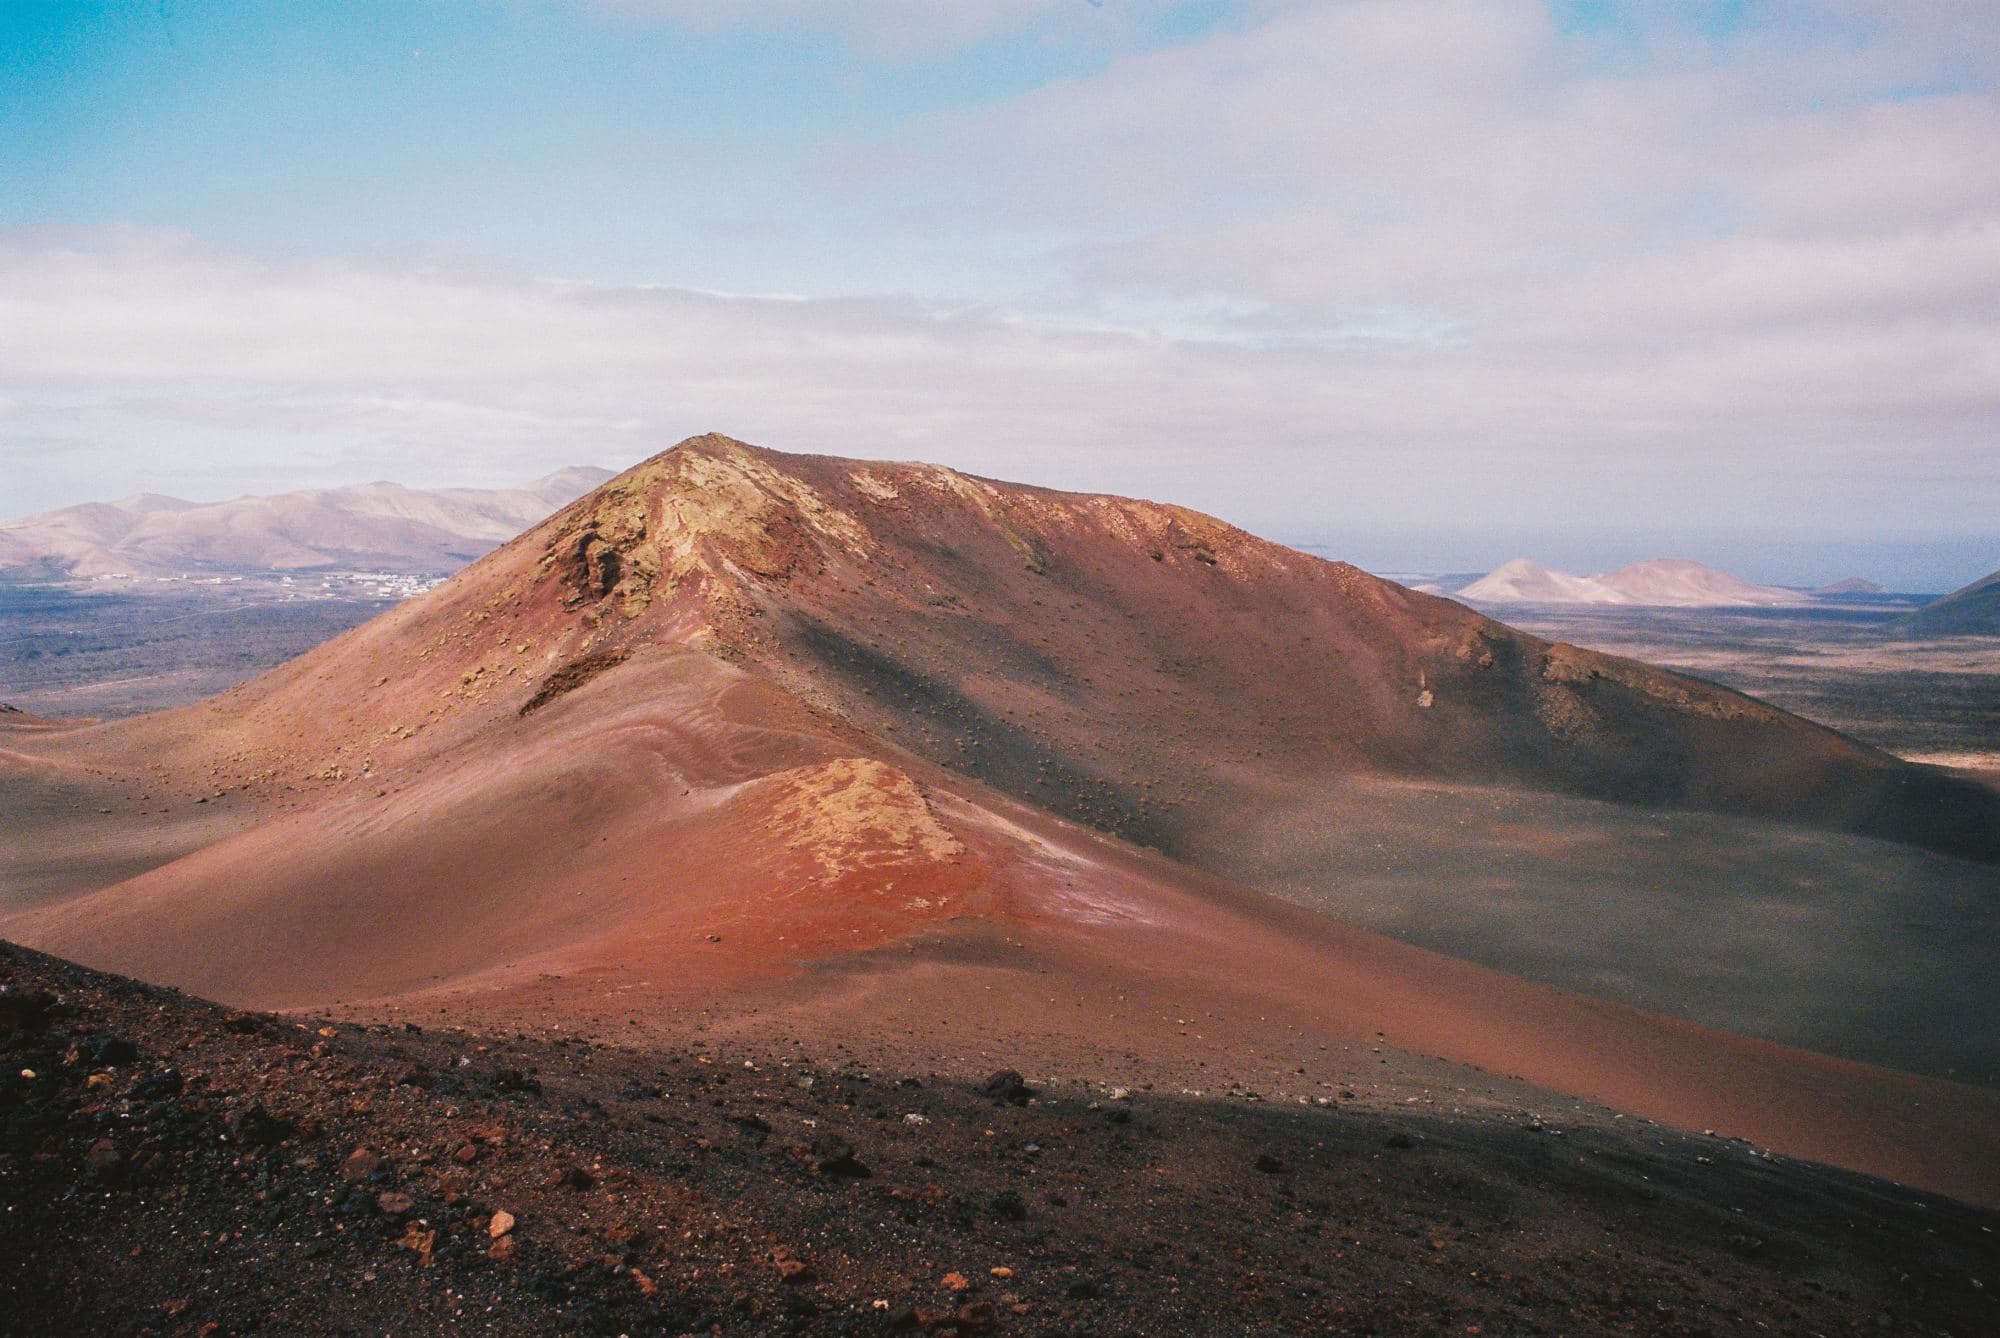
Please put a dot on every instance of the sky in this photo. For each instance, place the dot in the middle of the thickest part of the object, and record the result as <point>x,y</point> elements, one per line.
<point>1428,284</point>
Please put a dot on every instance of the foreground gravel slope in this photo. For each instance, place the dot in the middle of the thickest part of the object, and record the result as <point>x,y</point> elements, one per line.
<point>172,1167</point>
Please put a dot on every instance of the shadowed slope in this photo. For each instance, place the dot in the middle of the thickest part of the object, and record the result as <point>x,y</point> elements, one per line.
<point>1973,610</point>
<point>1139,665</point>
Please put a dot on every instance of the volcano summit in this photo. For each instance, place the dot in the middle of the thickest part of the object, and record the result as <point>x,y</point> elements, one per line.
<point>793,750</point>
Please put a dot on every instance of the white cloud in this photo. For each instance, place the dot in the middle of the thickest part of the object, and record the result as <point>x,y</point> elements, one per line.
<point>215,365</point>
<point>1367,263</point>
<point>892,28</point>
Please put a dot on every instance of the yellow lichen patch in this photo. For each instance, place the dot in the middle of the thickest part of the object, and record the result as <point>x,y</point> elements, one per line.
<point>727,493</point>
<point>856,813</point>
<point>873,486</point>
<point>708,504</point>
<point>988,501</point>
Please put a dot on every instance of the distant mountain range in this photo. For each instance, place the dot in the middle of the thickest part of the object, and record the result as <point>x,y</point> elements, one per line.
<point>1668,582</point>
<point>369,527</point>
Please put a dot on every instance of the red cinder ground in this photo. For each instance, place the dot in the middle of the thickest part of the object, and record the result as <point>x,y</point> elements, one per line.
<point>891,764</point>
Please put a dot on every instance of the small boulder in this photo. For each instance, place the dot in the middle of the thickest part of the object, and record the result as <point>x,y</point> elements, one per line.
<point>834,1156</point>
<point>360,1164</point>
<point>104,1160</point>
<point>260,1126</point>
<point>1007,1087</point>
<point>791,1268</point>
<point>107,1052</point>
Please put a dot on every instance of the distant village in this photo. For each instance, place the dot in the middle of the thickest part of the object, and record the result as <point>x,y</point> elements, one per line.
<point>310,585</point>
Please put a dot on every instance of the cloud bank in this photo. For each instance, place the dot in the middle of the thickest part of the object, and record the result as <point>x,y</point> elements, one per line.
<point>1337,269</point>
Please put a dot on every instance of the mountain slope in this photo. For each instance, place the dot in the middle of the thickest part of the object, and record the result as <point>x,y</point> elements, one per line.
<point>374,526</point>
<point>1135,665</point>
<point>1971,611</point>
<point>739,723</point>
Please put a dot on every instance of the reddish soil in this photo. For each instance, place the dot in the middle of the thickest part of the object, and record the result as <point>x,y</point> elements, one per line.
<point>175,1168</point>
<point>866,759</point>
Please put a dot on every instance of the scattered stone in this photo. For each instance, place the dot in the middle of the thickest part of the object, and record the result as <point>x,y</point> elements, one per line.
<point>107,1052</point>
<point>23,1010</point>
<point>502,1223</point>
<point>790,1267</point>
<point>360,1164</point>
<point>104,1160</point>
<point>159,1086</point>
<point>259,1126</point>
<point>955,1281</point>
<point>394,1203</point>
<point>834,1156</point>
<point>1008,1087</point>
<point>420,1241</point>
<point>503,1250</point>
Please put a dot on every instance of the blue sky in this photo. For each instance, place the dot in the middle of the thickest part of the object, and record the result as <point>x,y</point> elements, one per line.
<point>588,143</point>
<point>1431,282</point>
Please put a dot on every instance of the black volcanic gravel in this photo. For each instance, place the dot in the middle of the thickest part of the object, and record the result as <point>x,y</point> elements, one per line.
<point>172,1167</point>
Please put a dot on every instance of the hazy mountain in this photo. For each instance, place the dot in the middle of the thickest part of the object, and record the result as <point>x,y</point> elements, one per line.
<point>370,527</point>
<point>1525,582</point>
<point>1659,582</point>
<point>1853,585</point>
